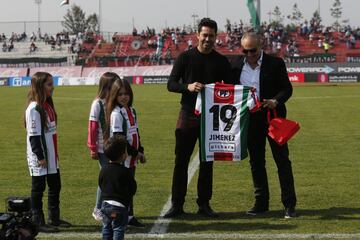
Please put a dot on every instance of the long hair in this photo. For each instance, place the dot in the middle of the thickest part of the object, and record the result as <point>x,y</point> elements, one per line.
<point>111,101</point>
<point>105,83</point>
<point>37,94</point>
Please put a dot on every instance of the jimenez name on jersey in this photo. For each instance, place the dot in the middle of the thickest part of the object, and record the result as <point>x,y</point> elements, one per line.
<point>224,110</point>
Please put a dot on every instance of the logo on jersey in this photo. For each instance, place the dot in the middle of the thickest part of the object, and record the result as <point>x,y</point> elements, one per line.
<point>223,94</point>
<point>33,124</point>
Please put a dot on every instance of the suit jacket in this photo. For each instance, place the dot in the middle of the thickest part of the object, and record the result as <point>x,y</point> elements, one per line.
<point>274,80</point>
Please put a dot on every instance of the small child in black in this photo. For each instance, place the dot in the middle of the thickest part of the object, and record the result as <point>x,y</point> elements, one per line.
<point>117,188</point>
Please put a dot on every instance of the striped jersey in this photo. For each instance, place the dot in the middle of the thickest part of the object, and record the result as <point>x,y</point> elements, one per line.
<point>48,139</point>
<point>97,114</point>
<point>124,120</point>
<point>225,111</point>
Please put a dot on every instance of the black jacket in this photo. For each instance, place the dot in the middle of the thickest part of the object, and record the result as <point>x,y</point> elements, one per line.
<point>274,80</point>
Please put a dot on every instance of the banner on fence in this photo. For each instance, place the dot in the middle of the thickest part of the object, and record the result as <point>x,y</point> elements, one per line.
<point>13,72</point>
<point>74,71</point>
<point>77,81</point>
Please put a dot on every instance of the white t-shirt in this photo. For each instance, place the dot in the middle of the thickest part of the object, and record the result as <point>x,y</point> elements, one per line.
<point>33,128</point>
<point>225,116</point>
<point>124,120</point>
<point>95,116</point>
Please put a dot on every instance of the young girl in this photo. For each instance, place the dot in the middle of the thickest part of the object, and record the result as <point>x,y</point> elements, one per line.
<point>96,129</point>
<point>121,119</point>
<point>42,151</point>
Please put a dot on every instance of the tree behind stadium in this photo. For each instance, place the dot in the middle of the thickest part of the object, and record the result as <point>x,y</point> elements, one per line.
<point>75,21</point>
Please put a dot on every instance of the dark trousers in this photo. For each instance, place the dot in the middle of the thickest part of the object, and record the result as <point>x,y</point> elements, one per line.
<point>258,130</point>
<point>186,134</point>
<point>131,204</point>
<point>38,187</point>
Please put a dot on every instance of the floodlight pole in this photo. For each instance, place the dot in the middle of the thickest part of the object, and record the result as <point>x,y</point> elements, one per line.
<point>194,16</point>
<point>38,2</point>
<point>269,13</point>
<point>258,10</point>
<point>207,8</point>
<point>99,20</point>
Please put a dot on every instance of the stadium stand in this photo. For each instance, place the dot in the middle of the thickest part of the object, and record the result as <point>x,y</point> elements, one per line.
<point>148,48</point>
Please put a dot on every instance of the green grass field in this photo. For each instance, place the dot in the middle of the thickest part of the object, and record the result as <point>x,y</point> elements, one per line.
<point>325,156</point>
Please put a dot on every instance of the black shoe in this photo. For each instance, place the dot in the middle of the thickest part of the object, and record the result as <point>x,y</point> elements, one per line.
<point>135,223</point>
<point>59,223</point>
<point>48,229</point>
<point>257,210</point>
<point>39,221</point>
<point>174,211</point>
<point>290,212</point>
<point>54,219</point>
<point>206,211</point>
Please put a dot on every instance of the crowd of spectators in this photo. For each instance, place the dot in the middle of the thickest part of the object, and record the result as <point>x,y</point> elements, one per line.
<point>163,45</point>
<point>56,41</point>
<point>326,37</point>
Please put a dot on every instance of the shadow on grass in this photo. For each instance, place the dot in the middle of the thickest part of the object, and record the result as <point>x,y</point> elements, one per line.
<point>82,228</point>
<point>222,226</point>
<point>335,213</point>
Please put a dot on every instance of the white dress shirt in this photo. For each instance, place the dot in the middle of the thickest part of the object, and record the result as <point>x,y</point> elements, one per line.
<point>251,77</point>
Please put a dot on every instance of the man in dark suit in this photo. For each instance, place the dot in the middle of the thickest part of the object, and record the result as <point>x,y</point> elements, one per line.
<point>269,76</point>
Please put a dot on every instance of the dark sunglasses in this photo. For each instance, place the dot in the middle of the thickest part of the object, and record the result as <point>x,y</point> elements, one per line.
<point>246,51</point>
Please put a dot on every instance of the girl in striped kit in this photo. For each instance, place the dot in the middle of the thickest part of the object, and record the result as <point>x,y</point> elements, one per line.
<point>42,152</point>
<point>121,119</point>
<point>96,129</point>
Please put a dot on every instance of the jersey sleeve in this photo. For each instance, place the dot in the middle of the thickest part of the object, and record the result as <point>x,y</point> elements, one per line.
<point>92,135</point>
<point>198,104</point>
<point>94,111</point>
<point>116,122</point>
<point>33,123</point>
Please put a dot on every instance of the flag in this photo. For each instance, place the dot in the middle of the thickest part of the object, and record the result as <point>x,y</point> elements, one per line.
<point>253,13</point>
<point>64,2</point>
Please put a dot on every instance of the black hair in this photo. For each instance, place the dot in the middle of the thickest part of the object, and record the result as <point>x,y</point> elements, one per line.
<point>115,147</point>
<point>207,22</point>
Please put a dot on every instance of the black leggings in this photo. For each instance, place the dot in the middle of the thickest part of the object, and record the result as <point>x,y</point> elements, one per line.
<point>38,187</point>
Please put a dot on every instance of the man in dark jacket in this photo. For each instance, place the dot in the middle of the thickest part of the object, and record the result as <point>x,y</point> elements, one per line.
<point>269,76</point>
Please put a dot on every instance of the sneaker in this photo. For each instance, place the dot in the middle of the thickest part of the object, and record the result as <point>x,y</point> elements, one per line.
<point>290,212</point>
<point>135,223</point>
<point>97,214</point>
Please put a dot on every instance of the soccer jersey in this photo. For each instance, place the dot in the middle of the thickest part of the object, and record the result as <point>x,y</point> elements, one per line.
<point>225,110</point>
<point>124,120</point>
<point>97,114</point>
<point>48,139</point>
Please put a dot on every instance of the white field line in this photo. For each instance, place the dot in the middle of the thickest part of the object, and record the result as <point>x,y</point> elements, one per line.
<point>71,235</point>
<point>161,224</point>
